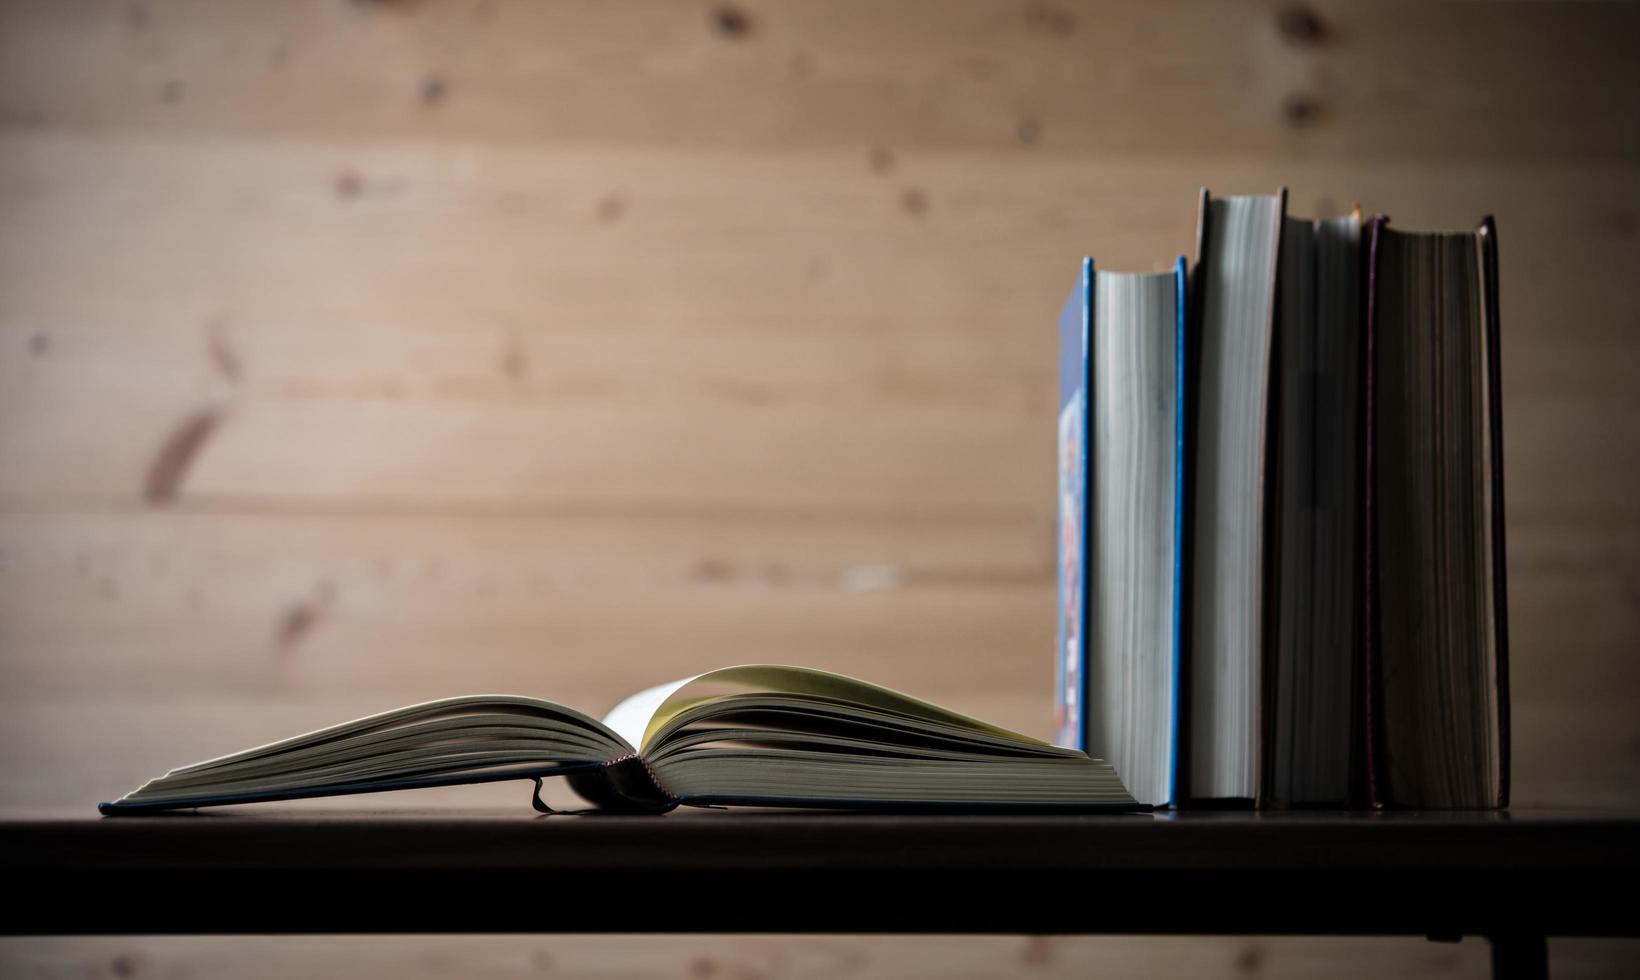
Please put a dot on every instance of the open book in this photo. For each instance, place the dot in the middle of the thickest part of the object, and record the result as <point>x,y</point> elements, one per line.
<point>757,735</point>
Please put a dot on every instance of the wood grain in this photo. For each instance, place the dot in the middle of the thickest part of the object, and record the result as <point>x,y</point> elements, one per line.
<point>674,363</point>
<point>352,353</point>
<point>559,607</point>
<point>1386,81</point>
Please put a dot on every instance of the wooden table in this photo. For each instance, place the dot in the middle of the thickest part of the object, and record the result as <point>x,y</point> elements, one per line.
<point>1514,878</point>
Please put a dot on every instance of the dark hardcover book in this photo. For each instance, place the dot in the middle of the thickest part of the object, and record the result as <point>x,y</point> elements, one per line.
<point>1436,670</point>
<point>1315,535</point>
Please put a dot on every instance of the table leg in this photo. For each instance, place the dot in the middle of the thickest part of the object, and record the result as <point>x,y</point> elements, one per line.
<point>1520,956</point>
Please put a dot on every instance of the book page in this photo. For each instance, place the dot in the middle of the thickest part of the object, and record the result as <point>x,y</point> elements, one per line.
<point>630,719</point>
<point>652,709</point>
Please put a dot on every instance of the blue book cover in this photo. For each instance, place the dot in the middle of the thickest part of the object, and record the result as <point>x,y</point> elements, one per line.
<point>1074,321</point>
<point>1181,298</point>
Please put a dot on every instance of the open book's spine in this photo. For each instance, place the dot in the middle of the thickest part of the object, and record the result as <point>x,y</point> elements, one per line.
<point>625,785</point>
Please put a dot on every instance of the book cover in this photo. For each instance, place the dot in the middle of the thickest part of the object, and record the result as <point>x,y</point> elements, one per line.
<point>1181,457</point>
<point>1368,779</point>
<point>1488,235</point>
<point>1075,320</point>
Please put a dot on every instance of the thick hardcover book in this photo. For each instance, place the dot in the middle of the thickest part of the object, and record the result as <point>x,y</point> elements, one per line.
<point>1233,310</point>
<point>1314,542</point>
<point>1121,436</point>
<point>758,735</point>
<point>1436,671</point>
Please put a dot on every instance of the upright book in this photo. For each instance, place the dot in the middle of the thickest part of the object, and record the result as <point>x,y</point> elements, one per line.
<point>1344,624</point>
<point>1315,557</point>
<point>1234,309</point>
<point>1121,478</point>
<point>1277,569</point>
<point>759,735</point>
<point>1437,672</point>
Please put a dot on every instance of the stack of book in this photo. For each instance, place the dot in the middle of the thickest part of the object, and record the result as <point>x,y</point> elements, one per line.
<point>1281,517</point>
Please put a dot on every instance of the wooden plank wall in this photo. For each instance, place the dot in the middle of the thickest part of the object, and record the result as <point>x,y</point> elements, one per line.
<point>360,352</point>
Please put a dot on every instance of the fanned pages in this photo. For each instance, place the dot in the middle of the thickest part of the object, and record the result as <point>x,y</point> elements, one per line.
<point>1240,238</point>
<point>756,734</point>
<point>1438,680</point>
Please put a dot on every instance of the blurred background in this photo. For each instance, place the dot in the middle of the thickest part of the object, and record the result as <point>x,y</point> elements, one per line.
<point>358,353</point>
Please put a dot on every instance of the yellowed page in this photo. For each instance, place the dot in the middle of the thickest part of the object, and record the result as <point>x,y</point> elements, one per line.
<point>808,682</point>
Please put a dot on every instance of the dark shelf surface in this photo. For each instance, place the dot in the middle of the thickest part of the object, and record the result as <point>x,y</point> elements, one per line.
<point>295,869</point>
